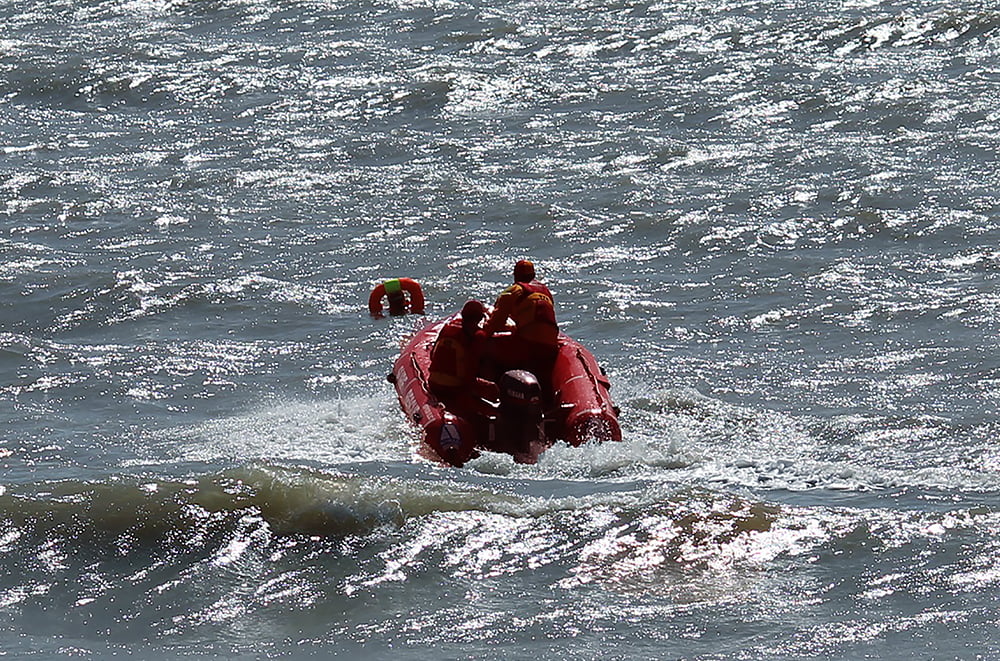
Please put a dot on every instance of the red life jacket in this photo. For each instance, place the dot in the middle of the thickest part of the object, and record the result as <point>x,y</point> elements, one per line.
<point>455,356</point>
<point>535,305</point>
<point>534,314</point>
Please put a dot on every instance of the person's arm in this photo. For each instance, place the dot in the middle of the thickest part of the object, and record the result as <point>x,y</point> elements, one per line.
<point>501,310</point>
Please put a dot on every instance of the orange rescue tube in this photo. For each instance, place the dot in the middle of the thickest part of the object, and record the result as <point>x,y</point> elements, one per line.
<point>404,295</point>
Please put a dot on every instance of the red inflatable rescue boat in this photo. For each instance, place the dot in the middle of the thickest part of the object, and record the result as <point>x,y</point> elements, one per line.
<point>577,408</point>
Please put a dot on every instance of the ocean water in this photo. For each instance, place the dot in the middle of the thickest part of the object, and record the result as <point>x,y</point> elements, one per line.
<point>774,222</point>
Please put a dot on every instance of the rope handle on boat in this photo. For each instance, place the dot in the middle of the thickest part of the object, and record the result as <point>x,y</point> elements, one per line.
<point>593,379</point>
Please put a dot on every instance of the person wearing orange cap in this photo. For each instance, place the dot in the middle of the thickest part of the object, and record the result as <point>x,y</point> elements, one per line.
<point>533,342</point>
<point>455,360</point>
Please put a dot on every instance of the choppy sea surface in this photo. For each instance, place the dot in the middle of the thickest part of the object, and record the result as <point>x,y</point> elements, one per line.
<point>775,223</point>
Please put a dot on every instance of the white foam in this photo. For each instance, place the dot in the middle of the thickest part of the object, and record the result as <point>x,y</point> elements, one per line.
<point>331,432</point>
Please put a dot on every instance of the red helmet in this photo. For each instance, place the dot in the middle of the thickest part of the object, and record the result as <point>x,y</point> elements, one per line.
<point>524,271</point>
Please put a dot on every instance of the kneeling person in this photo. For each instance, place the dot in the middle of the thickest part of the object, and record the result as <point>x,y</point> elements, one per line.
<point>455,359</point>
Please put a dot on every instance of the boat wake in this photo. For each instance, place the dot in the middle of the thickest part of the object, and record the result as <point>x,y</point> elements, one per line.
<point>326,433</point>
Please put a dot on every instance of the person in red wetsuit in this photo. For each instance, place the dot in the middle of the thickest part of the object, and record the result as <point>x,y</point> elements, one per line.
<point>532,344</point>
<point>455,360</point>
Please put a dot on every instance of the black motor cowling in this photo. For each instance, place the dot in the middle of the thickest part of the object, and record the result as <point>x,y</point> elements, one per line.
<point>520,388</point>
<point>520,410</point>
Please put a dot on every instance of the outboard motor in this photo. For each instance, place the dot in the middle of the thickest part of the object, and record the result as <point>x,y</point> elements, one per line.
<point>520,419</point>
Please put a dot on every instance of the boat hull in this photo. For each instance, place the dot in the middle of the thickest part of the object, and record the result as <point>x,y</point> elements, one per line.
<point>578,407</point>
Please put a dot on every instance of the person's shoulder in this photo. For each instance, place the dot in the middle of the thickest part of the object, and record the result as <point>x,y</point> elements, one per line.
<point>512,290</point>
<point>540,287</point>
<point>452,327</point>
